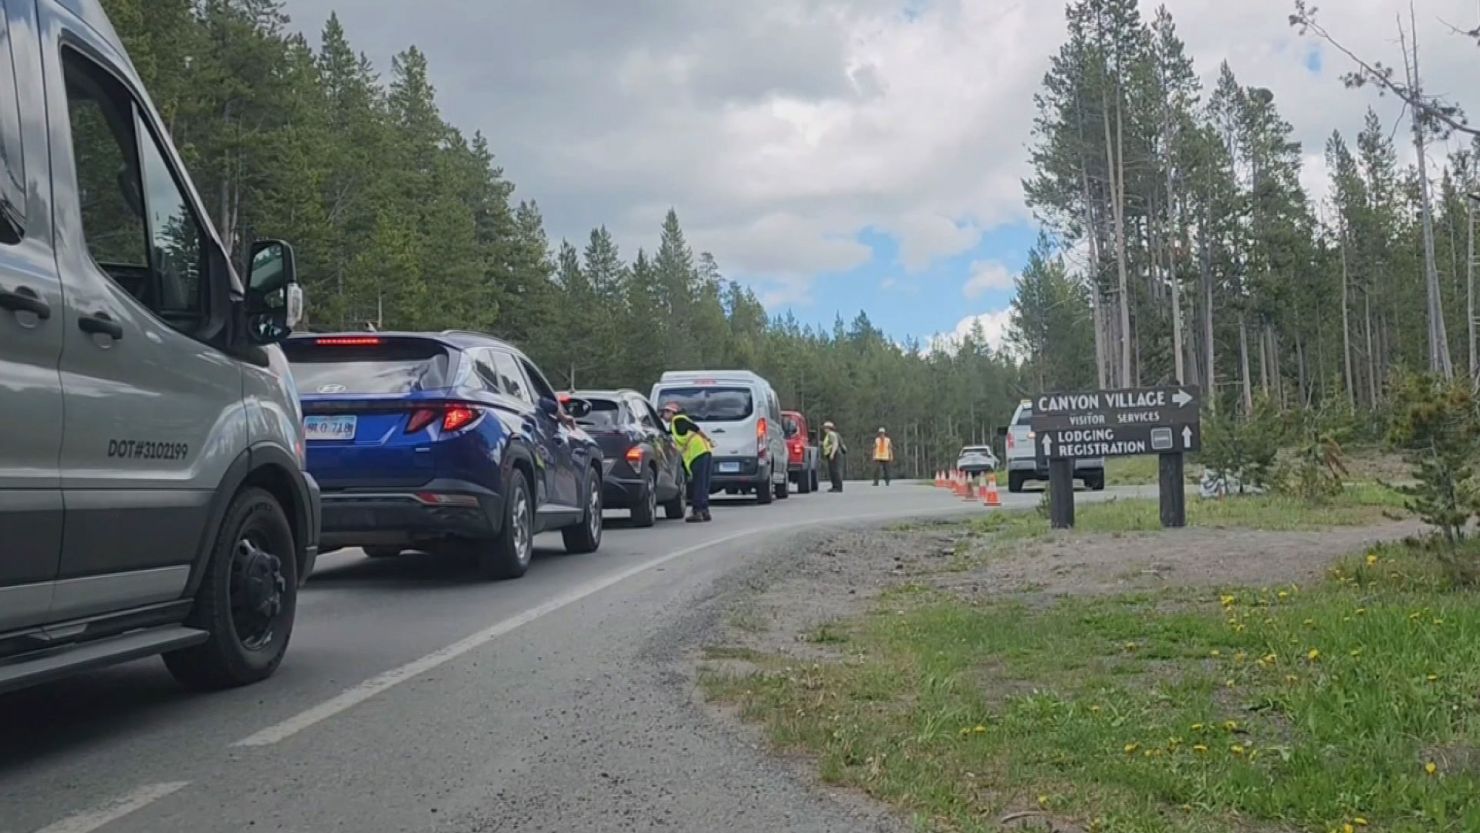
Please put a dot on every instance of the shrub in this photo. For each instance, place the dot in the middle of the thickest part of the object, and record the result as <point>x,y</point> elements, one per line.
<point>1435,424</point>
<point>1243,447</point>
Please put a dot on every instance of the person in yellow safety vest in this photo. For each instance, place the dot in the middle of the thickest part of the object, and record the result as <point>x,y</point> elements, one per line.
<point>883,456</point>
<point>833,450</point>
<point>696,448</point>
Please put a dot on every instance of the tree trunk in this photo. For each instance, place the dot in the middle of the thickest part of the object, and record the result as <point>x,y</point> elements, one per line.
<point>1346,329</point>
<point>1439,361</point>
<point>1117,210</point>
<point>1097,300</point>
<point>1205,267</point>
<point>1243,362</point>
<point>1264,360</point>
<point>1470,284</point>
<point>1371,352</point>
<point>1176,291</point>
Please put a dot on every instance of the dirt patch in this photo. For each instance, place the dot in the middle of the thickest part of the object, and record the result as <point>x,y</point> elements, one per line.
<point>793,608</point>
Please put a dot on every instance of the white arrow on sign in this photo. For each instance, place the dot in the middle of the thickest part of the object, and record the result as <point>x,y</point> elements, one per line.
<point>1187,436</point>
<point>1047,446</point>
<point>1181,398</point>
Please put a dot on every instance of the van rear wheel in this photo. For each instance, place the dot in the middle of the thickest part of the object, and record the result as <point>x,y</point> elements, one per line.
<point>764,493</point>
<point>247,599</point>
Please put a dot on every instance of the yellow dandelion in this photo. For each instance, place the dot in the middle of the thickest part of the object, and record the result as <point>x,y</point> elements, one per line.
<point>1130,748</point>
<point>1359,821</point>
<point>980,729</point>
<point>1043,801</point>
<point>1349,827</point>
<point>1095,709</point>
<point>1371,559</point>
<point>1314,655</point>
<point>1200,749</point>
<point>1197,727</point>
<point>1361,611</point>
<point>1227,601</point>
<point>1230,726</point>
<point>1237,749</point>
<point>1310,623</point>
<point>1284,594</point>
<point>1217,653</point>
<point>1433,678</point>
<point>1431,768</point>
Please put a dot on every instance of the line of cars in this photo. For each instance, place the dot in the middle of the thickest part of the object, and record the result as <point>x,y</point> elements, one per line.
<point>183,460</point>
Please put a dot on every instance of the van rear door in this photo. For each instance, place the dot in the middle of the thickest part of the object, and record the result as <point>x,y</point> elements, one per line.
<point>726,411</point>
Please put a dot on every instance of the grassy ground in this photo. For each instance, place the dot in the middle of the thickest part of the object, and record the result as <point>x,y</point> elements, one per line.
<point>1308,708</point>
<point>1142,471</point>
<point>1357,504</point>
<point>1364,464</point>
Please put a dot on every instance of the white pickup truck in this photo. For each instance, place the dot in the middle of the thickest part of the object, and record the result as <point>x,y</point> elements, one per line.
<point>1022,461</point>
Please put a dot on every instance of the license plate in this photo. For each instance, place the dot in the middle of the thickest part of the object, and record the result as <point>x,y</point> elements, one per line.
<point>329,427</point>
<point>729,468</point>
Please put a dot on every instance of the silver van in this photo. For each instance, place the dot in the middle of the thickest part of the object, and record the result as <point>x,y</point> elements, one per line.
<point>742,413</point>
<point>152,492</point>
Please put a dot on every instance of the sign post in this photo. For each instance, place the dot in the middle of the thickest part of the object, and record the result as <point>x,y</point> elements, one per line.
<point>1117,423</point>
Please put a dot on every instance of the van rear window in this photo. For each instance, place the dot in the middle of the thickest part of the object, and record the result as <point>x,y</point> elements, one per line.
<point>710,404</point>
<point>330,366</point>
<point>604,416</point>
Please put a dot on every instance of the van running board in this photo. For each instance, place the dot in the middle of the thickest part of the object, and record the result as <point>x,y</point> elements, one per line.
<point>43,666</point>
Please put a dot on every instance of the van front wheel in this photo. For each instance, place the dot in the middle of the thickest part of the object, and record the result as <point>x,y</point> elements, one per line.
<point>246,600</point>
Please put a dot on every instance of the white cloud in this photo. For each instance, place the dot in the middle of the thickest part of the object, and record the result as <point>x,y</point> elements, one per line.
<point>987,275</point>
<point>993,324</point>
<point>782,129</point>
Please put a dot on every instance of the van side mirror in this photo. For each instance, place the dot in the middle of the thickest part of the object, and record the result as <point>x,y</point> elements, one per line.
<point>274,302</point>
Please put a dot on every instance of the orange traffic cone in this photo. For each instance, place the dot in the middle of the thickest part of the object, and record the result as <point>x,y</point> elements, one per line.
<point>969,490</point>
<point>956,483</point>
<point>990,498</point>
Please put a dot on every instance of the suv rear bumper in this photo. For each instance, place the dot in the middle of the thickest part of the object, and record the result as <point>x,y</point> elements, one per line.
<point>1030,470</point>
<point>382,517</point>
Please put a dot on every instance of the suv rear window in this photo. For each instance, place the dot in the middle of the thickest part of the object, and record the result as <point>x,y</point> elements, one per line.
<point>791,425</point>
<point>604,414</point>
<point>329,365</point>
<point>710,404</point>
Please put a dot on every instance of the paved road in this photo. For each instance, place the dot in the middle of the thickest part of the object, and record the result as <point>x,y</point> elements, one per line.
<point>416,699</point>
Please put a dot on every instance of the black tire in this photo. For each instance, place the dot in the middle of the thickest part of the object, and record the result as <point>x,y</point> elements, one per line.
<point>783,489</point>
<point>586,536</point>
<point>247,599</point>
<point>674,509</point>
<point>382,552</point>
<point>645,510</point>
<point>508,555</point>
<point>1014,482</point>
<point>804,482</point>
<point>813,477</point>
<point>764,494</point>
<point>1096,483</point>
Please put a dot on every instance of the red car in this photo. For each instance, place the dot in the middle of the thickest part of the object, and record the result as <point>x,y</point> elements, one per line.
<point>803,458</point>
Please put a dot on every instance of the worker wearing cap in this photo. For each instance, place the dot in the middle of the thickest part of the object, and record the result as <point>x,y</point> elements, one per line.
<point>695,447</point>
<point>883,456</point>
<point>833,450</point>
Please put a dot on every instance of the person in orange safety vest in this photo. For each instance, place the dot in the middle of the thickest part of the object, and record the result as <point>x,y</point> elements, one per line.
<point>883,456</point>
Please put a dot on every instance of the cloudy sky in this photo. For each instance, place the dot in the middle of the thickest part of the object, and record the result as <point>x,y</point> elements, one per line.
<point>836,155</point>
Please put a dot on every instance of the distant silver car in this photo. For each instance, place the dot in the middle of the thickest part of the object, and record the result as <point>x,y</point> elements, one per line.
<point>976,459</point>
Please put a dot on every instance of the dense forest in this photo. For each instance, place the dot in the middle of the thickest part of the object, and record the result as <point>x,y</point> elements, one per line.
<point>1199,257</point>
<point>1178,241</point>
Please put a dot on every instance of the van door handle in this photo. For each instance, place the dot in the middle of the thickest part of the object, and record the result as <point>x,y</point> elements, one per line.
<point>25,299</point>
<point>100,323</point>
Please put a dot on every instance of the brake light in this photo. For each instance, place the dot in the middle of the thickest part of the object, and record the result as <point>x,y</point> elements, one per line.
<point>453,417</point>
<point>761,446</point>
<point>347,341</point>
<point>458,416</point>
<point>634,455</point>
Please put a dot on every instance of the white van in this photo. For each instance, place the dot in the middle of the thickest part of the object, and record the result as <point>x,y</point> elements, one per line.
<point>742,413</point>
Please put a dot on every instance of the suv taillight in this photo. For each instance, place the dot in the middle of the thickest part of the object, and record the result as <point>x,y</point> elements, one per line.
<point>454,417</point>
<point>762,447</point>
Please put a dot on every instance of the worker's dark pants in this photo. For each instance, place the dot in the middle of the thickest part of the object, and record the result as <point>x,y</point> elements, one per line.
<point>881,467</point>
<point>699,481</point>
<point>835,472</point>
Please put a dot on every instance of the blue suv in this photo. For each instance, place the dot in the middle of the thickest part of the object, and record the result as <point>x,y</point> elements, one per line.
<point>443,441</point>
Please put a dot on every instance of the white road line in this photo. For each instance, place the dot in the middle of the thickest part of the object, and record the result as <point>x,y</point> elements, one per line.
<point>91,820</point>
<point>358,694</point>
